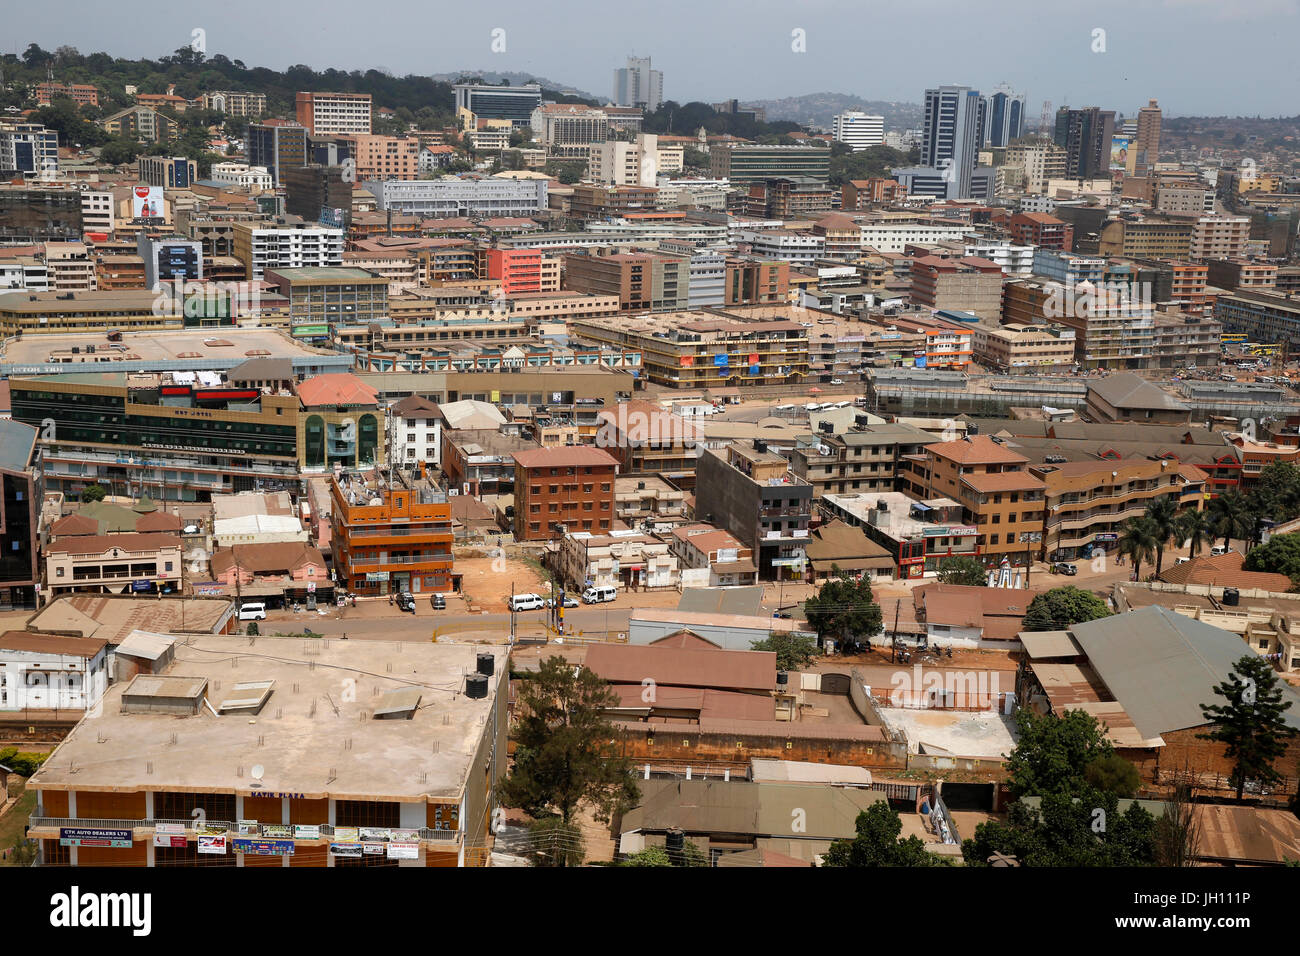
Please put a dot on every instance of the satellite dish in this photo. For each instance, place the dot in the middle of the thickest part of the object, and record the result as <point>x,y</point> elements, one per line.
<point>257,772</point>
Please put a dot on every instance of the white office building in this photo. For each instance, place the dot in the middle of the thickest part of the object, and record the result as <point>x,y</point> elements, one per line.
<point>29,149</point>
<point>450,198</point>
<point>287,246</point>
<point>96,210</point>
<point>49,671</point>
<point>253,178</point>
<point>858,130</point>
<point>797,248</point>
<point>638,85</point>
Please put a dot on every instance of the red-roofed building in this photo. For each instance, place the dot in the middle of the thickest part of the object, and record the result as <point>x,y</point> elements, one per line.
<point>571,486</point>
<point>969,284</point>
<point>996,491</point>
<point>1040,229</point>
<point>341,423</point>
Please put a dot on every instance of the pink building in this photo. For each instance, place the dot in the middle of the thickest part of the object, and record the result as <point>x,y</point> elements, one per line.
<point>272,570</point>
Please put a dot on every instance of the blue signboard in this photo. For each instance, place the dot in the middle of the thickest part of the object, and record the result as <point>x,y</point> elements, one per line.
<point>77,836</point>
<point>140,585</point>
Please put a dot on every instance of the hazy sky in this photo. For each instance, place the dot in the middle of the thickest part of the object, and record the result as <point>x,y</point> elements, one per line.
<point>1195,56</point>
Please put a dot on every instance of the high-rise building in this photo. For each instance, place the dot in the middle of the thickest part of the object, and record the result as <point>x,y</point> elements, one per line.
<point>638,85</point>
<point>1004,118</point>
<point>169,259</point>
<point>29,149</point>
<point>513,103</point>
<point>1147,143</point>
<point>286,245</point>
<point>234,102</point>
<point>1086,136</point>
<point>317,192</point>
<point>744,163</point>
<point>277,145</point>
<point>334,112</point>
<point>858,130</point>
<point>951,135</point>
<point>170,172</point>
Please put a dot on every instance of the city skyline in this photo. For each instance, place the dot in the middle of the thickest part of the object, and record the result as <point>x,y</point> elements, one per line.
<point>1056,55</point>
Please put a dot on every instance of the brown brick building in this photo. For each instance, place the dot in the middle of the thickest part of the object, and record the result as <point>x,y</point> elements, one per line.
<point>571,486</point>
<point>994,487</point>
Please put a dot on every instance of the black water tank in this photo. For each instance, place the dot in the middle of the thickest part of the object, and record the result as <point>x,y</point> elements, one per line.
<point>782,678</point>
<point>486,663</point>
<point>476,686</point>
<point>674,840</point>
<point>1231,597</point>
<point>972,428</point>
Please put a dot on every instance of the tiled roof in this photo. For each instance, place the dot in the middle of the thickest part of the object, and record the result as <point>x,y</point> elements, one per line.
<point>341,388</point>
<point>570,456</point>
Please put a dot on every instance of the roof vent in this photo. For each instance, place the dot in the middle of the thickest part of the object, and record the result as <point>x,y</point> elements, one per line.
<point>398,704</point>
<point>247,697</point>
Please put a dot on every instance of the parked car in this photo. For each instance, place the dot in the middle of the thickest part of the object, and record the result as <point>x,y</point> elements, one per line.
<point>571,601</point>
<point>439,602</point>
<point>836,381</point>
<point>252,612</point>
<point>1219,549</point>
<point>526,602</point>
<point>1064,567</point>
<point>406,601</point>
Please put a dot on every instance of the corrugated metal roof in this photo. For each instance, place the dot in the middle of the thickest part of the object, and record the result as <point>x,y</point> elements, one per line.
<point>1161,666</point>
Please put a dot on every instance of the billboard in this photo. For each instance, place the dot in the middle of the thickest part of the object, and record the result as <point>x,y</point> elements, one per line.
<point>147,202</point>
<point>1119,150</point>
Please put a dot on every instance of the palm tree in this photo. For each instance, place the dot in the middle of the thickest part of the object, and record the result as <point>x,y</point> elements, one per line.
<point>1161,512</point>
<point>1190,526</point>
<point>1139,540</point>
<point>1230,516</point>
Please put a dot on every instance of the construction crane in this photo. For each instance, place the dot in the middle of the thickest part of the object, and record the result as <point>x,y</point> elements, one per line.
<point>1045,118</point>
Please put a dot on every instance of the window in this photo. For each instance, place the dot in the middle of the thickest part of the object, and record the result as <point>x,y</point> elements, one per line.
<point>58,572</point>
<point>167,566</point>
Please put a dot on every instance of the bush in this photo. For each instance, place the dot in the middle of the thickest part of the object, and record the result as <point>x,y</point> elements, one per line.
<point>23,764</point>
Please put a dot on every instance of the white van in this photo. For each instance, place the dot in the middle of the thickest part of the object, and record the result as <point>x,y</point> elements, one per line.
<point>526,602</point>
<point>252,612</point>
<point>1219,549</point>
<point>598,595</point>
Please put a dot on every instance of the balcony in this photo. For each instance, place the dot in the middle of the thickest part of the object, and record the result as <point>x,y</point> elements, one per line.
<point>359,561</point>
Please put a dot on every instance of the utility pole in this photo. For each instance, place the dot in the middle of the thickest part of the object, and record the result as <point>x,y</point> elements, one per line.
<point>893,645</point>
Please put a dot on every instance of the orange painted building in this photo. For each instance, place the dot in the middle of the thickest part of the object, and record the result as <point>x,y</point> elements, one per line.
<point>995,488</point>
<point>515,270</point>
<point>391,539</point>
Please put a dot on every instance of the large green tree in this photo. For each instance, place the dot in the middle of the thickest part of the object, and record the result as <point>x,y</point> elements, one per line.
<point>877,843</point>
<point>1057,609</point>
<point>1230,516</point>
<point>1190,527</point>
<point>1280,556</point>
<point>1139,539</point>
<point>1250,722</point>
<point>844,608</point>
<point>793,651</point>
<point>1162,513</point>
<point>1276,493</point>
<point>1065,830</point>
<point>1053,754</point>
<point>565,752</point>
<point>966,571</point>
